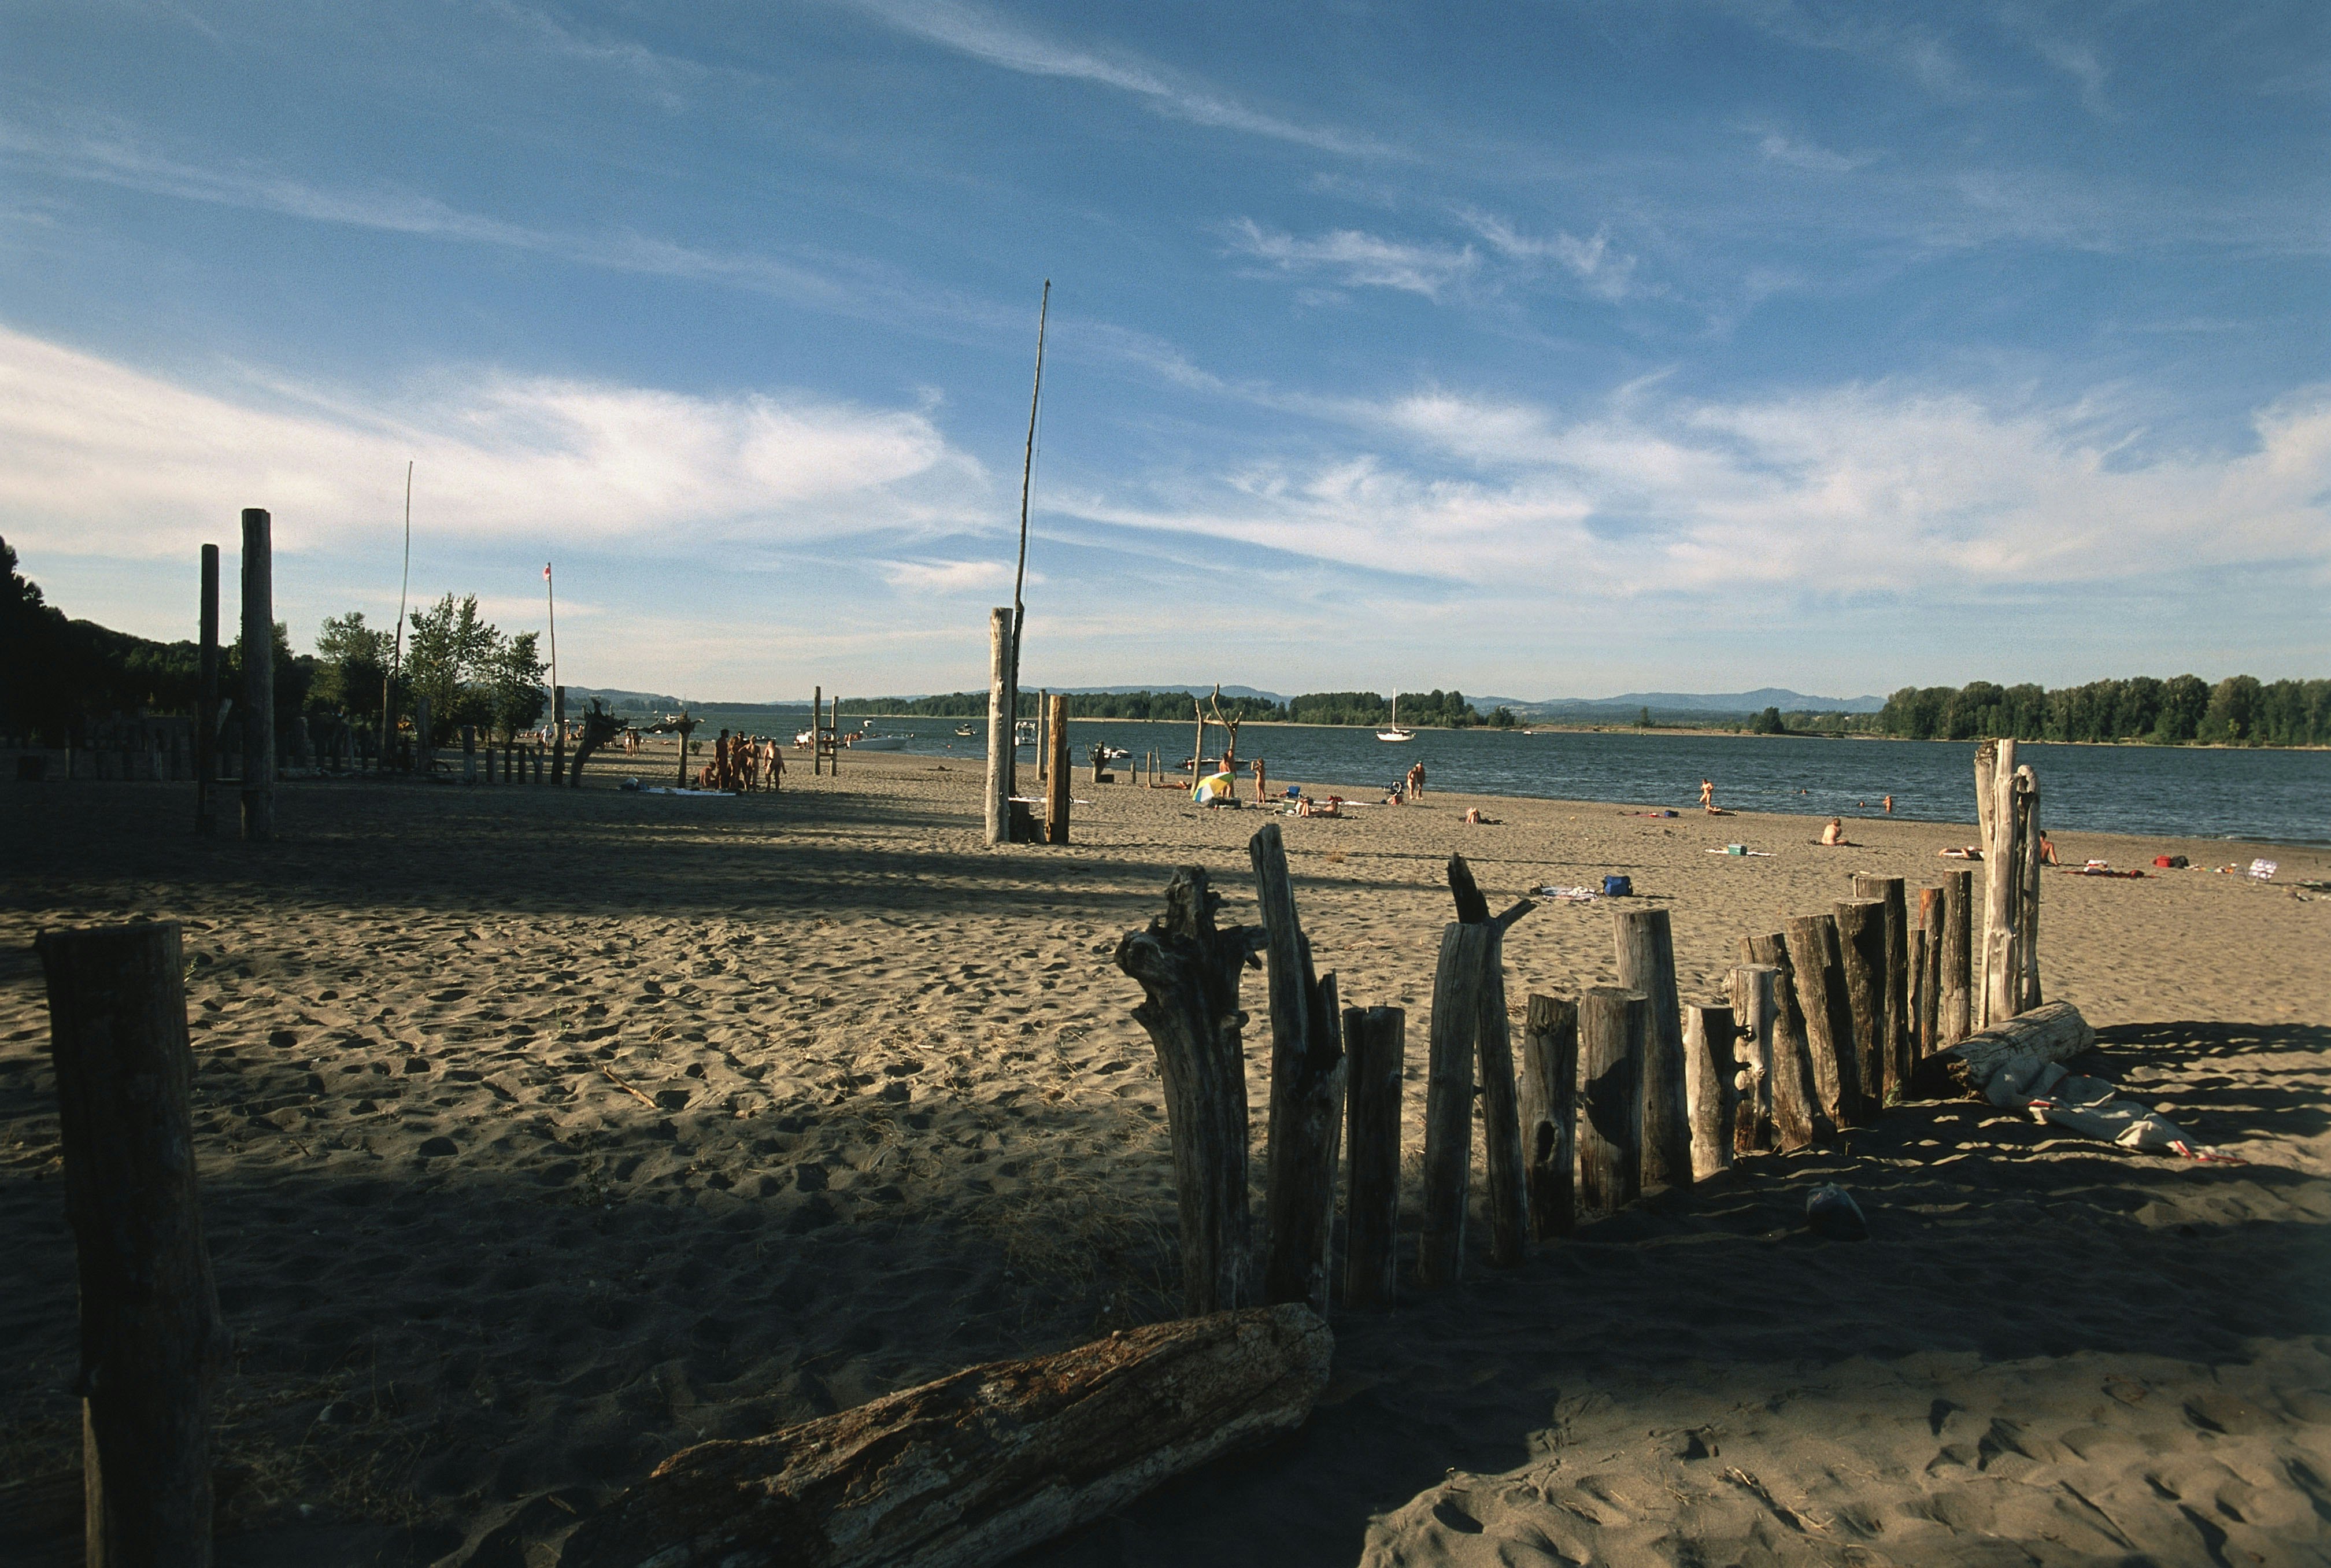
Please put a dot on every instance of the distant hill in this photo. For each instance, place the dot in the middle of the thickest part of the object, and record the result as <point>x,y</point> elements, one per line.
<point>1755,701</point>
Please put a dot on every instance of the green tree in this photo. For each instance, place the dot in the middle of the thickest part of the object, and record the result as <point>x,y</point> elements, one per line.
<point>351,661</point>
<point>514,685</point>
<point>449,661</point>
<point>1769,722</point>
<point>2183,700</point>
<point>1502,718</point>
<point>2233,706</point>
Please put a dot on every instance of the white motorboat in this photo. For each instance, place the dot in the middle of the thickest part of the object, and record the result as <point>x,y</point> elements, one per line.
<point>867,740</point>
<point>1395,732</point>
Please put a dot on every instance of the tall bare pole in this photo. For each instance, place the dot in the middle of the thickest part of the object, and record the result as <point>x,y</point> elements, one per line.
<point>1020,573</point>
<point>396,663</point>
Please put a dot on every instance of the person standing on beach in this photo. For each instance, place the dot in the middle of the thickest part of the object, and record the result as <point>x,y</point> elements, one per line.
<point>1708,794</point>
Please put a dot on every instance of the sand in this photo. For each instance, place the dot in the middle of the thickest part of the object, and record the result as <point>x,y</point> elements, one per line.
<point>543,1133</point>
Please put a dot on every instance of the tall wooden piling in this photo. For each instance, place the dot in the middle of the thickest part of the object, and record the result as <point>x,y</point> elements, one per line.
<point>1614,1026</point>
<point>150,1337</point>
<point>1504,1161</point>
<point>1957,990</point>
<point>1799,1118</point>
<point>1308,1078</point>
<point>1861,953</point>
<point>1189,975</point>
<point>1449,1101</point>
<point>1549,1114</point>
<point>1815,969</point>
<point>1756,1007</point>
<point>1926,1025</point>
<point>1646,960</point>
<point>207,701</point>
<point>1375,1048</point>
<point>1897,1053</point>
<point>2027,900</point>
<point>2002,976</point>
<point>1056,775</point>
<point>998,797</point>
<point>258,678</point>
<point>1710,1086</point>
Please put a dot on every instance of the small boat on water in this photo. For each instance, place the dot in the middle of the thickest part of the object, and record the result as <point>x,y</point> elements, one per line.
<point>1395,732</point>
<point>1025,733</point>
<point>964,731</point>
<point>867,740</point>
<point>1114,754</point>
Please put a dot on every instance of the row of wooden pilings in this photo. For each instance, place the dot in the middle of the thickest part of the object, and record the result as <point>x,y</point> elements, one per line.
<point>1625,1089</point>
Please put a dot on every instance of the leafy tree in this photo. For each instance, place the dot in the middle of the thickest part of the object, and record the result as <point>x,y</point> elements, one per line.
<point>352,660</point>
<point>449,660</point>
<point>1502,718</point>
<point>1768,723</point>
<point>1643,719</point>
<point>514,685</point>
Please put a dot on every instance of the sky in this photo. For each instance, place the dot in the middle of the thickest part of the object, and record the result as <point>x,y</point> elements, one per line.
<point>1566,348</point>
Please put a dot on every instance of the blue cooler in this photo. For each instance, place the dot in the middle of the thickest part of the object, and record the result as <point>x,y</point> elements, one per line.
<point>1617,887</point>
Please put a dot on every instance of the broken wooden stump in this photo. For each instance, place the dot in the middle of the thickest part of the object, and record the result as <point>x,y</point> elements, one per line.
<point>1709,1079</point>
<point>1818,974</point>
<point>976,1468</point>
<point>1189,971</point>
<point>1469,1020</point>
<point>1376,1047</point>
<point>1646,953</point>
<point>1306,1091</point>
<point>1861,953</point>
<point>1549,1110</point>
<point>1798,1119</point>
<point>1756,1007</point>
<point>1898,1051</point>
<point>1956,991</point>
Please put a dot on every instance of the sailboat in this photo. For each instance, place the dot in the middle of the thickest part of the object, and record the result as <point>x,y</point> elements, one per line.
<point>1395,732</point>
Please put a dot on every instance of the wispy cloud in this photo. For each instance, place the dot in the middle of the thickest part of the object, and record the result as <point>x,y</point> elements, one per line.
<point>987,36</point>
<point>949,577</point>
<point>1600,269</point>
<point>2078,61</point>
<point>1781,149</point>
<point>108,460</point>
<point>1865,33</point>
<point>1352,259</point>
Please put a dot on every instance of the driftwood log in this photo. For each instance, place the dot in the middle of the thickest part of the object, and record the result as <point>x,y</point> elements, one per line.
<point>977,1466</point>
<point>2054,1031</point>
<point>1307,1085</point>
<point>1549,1110</point>
<point>1190,973</point>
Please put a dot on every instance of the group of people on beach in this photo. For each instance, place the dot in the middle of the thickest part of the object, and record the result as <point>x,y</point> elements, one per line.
<point>743,764</point>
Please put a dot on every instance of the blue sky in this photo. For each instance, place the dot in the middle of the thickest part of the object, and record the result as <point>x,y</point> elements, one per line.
<point>1557,349</point>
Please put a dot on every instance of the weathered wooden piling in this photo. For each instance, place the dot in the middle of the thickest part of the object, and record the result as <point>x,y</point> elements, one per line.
<point>258,678</point>
<point>150,1335</point>
<point>1711,1078</point>
<point>1375,1047</point>
<point>207,701</point>
<point>1815,971</point>
<point>1861,952</point>
<point>1189,976</point>
<point>1549,1114</point>
<point>1307,1076</point>
<point>1056,777</point>
<point>1799,1119</point>
<point>1957,989</point>
<point>1899,1049</point>
<point>2027,900</point>
<point>1755,1009</point>
<point>997,801</point>
<point>1926,992</point>
<point>1646,957</point>
<point>1449,1101</point>
<point>1614,1026</point>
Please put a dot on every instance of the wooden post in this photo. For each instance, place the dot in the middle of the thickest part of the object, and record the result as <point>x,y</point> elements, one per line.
<point>2002,977</point>
<point>1896,1053</point>
<point>1056,800</point>
<point>1449,1101</point>
<point>1986,782</point>
<point>1549,1114</point>
<point>1307,1084</point>
<point>1862,952</point>
<point>1756,1007</point>
<point>1375,1045</point>
<point>1614,1027</point>
<point>468,754</point>
<point>2027,902</point>
<point>1813,969</point>
<point>1798,1118</point>
<point>998,812</point>
<point>1044,736</point>
<point>150,1337</point>
<point>1646,950</point>
<point>1711,1077</point>
<point>833,729</point>
<point>1959,958</point>
<point>258,678</point>
<point>1189,976</point>
<point>206,701</point>
<point>1504,1166</point>
<point>1927,1026</point>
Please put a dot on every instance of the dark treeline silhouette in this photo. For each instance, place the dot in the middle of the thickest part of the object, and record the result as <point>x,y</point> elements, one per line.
<point>2239,710</point>
<point>1436,710</point>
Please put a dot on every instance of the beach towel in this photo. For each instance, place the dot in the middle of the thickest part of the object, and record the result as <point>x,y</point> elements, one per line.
<point>1567,895</point>
<point>2263,870</point>
<point>2091,1107</point>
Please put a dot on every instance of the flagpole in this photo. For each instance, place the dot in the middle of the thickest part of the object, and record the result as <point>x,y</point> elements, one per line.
<point>549,593</point>
<point>397,661</point>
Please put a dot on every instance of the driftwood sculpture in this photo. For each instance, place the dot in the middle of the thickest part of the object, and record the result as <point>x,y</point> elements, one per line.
<point>1307,1080</point>
<point>976,1468</point>
<point>599,727</point>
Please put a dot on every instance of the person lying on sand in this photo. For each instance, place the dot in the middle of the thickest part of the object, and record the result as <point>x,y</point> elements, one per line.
<point>1474,819</point>
<point>1970,854</point>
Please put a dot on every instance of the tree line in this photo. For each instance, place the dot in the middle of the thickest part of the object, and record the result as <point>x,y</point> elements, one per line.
<point>2239,710</point>
<point>1424,710</point>
<point>55,672</point>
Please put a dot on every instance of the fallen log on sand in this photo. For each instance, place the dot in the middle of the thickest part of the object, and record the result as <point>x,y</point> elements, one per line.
<point>979,1466</point>
<point>2052,1033</point>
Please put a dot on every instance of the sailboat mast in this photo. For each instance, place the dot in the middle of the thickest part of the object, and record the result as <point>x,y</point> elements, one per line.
<point>1027,475</point>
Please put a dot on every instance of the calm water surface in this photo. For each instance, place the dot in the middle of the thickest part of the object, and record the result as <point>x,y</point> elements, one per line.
<point>2279,796</point>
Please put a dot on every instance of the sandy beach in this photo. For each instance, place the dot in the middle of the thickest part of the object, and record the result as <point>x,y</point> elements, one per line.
<point>543,1133</point>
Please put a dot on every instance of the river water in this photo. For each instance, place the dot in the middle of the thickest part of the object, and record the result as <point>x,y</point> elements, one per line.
<point>2278,796</point>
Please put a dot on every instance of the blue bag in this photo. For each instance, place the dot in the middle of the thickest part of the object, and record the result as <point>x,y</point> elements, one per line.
<point>1617,887</point>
